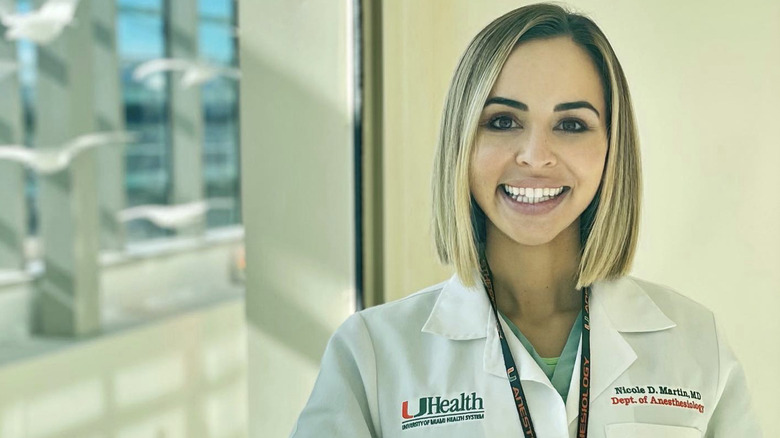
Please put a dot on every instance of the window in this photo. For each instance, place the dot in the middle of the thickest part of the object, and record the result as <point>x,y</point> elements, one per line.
<point>143,32</point>
<point>141,38</point>
<point>217,37</point>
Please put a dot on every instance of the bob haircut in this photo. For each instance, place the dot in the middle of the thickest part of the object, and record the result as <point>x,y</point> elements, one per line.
<point>609,225</point>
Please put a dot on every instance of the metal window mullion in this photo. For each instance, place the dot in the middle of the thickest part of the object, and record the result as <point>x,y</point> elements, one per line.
<point>109,116</point>
<point>13,213</point>
<point>181,19</point>
<point>66,300</point>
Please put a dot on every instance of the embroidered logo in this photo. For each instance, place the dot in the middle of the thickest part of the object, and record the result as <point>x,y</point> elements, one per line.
<point>433,410</point>
<point>658,395</point>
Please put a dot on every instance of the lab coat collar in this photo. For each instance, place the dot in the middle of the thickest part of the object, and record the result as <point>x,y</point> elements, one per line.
<point>463,313</point>
<point>616,306</point>
<point>460,313</point>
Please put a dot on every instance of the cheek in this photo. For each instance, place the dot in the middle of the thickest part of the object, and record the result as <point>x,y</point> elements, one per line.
<point>485,167</point>
<point>589,165</point>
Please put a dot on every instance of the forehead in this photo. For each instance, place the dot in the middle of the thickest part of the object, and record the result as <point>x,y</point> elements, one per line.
<point>542,73</point>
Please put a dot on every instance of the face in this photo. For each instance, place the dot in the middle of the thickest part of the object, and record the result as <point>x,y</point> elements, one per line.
<point>541,144</point>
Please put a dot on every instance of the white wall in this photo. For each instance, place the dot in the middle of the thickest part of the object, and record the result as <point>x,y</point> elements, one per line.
<point>296,147</point>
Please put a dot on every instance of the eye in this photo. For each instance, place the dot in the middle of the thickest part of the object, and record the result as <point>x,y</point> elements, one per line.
<point>572,125</point>
<point>502,123</point>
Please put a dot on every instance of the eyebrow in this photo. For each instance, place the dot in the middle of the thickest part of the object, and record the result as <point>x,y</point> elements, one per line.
<point>560,107</point>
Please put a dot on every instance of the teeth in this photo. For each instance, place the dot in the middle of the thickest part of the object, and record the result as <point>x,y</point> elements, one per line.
<point>532,195</point>
<point>532,192</point>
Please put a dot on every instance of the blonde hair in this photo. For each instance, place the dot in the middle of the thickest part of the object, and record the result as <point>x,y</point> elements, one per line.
<point>609,225</point>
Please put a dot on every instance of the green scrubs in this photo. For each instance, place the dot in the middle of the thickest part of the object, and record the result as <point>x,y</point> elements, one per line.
<point>557,369</point>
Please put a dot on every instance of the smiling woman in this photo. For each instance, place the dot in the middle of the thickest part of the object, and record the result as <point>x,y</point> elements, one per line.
<point>540,332</point>
<point>557,142</point>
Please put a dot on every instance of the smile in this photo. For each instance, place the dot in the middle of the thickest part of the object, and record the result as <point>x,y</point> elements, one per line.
<point>533,195</point>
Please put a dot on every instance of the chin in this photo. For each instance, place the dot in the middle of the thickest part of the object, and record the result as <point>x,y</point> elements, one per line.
<point>532,240</point>
<point>528,237</point>
<point>536,236</point>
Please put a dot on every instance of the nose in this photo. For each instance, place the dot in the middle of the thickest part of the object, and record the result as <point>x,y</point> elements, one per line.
<point>536,152</point>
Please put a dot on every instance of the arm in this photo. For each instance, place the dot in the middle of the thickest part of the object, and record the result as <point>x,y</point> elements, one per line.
<point>733,415</point>
<point>344,395</point>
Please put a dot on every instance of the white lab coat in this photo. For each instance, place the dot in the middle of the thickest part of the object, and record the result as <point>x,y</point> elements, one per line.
<point>430,365</point>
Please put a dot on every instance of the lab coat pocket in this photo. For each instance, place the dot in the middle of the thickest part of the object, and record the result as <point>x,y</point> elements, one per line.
<point>647,430</point>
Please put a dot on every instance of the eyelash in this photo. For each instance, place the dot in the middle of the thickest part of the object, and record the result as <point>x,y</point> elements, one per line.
<point>490,124</point>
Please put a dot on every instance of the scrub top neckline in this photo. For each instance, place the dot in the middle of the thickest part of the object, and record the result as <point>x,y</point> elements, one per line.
<point>561,370</point>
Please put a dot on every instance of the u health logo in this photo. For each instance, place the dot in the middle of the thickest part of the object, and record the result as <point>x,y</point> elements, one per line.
<point>433,410</point>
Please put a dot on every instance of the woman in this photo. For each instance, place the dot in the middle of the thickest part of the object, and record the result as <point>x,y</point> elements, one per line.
<point>540,333</point>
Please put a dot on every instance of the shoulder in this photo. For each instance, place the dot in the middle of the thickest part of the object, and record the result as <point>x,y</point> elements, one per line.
<point>639,307</point>
<point>703,344</point>
<point>635,306</point>
<point>406,315</point>
<point>671,301</point>
<point>401,318</point>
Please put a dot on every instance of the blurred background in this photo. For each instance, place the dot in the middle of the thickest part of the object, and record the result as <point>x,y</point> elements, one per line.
<point>140,138</point>
<point>121,244</point>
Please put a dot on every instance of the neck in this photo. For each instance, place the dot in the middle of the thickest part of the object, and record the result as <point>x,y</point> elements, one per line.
<point>536,282</point>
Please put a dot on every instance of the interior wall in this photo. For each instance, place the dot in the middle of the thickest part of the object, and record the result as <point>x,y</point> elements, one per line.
<point>298,203</point>
<point>703,76</point>
<point>421,41</point>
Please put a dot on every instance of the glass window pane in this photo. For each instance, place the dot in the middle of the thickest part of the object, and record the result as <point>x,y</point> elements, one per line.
<point>216,9</point>
<point>141,38</point>
<point>142,4</point>
<point>217,44</point>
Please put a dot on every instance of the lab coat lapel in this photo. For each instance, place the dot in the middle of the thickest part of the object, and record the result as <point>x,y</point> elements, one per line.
<point>528,369</point>
<point>615,306</point>
<point>610,356</point>
<point>462,313</point>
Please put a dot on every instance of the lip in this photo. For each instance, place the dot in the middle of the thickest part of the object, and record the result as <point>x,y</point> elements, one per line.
<point>533,184</point>
<point>534,209</point>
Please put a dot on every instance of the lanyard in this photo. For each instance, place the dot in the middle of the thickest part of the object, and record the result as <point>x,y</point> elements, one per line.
<point>511,369</point>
